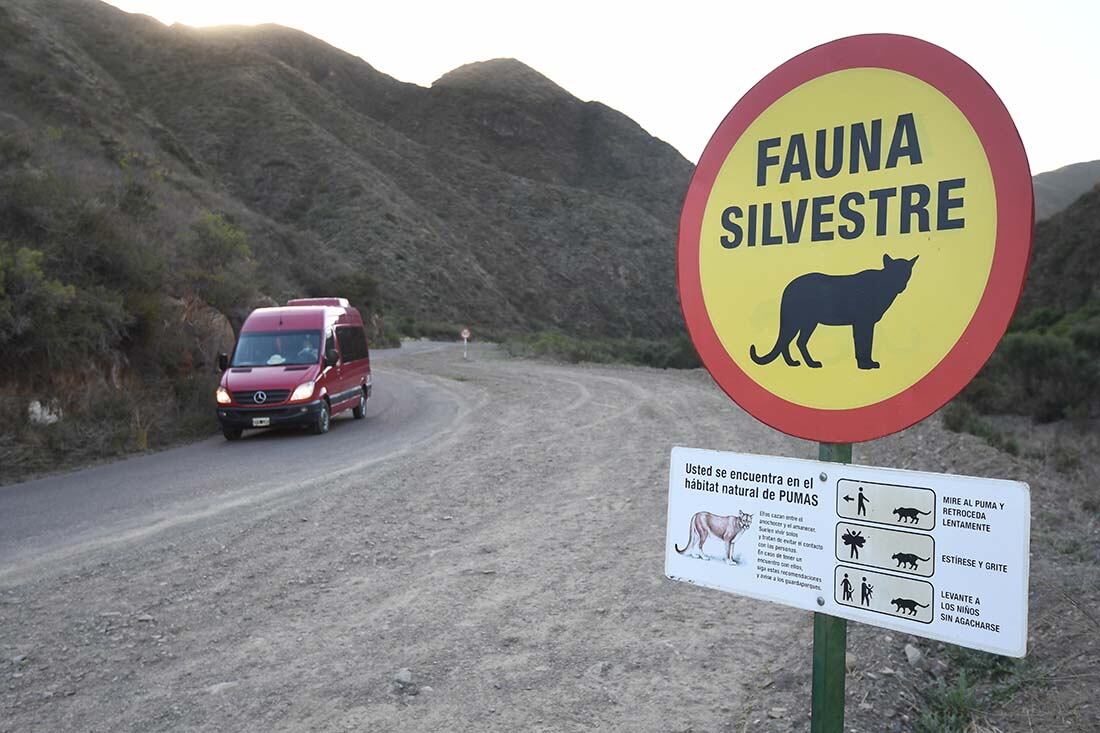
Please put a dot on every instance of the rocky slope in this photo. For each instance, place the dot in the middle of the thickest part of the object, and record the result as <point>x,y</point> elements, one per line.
<point>1057,189</point>
<point>494,197</point>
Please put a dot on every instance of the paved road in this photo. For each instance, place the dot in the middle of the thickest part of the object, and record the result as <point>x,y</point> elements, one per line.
<point>72,512</point>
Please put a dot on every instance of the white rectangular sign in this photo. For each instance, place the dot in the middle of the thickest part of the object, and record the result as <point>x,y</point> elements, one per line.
<point>929,554</point>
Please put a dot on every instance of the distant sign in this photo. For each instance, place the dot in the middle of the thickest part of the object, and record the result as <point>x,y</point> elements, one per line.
<point>465,333</point>
<point>935,555</point>
<point>855,237</point>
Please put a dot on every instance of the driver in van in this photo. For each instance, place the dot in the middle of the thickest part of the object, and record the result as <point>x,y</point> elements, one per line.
<point>308,352</point>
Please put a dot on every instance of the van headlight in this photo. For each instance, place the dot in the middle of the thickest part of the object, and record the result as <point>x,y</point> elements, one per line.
<point>303,392</point>
<point>222,396</point>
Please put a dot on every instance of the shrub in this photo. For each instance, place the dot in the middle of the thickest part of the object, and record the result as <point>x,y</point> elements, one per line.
<point>220,267</point>
<point>960,417</point>
<point>1041,374</point>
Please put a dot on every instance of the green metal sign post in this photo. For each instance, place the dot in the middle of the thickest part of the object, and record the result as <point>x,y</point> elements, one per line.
<point>830,642</point>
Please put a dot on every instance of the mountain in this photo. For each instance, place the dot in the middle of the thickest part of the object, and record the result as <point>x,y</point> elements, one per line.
<point>1048,364</point>
<point>494,197</point>
<point>1064,275</point>
<point>1057,189</point>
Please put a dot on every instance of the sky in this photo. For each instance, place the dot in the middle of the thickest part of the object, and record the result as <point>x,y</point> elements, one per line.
<point>677,68</point>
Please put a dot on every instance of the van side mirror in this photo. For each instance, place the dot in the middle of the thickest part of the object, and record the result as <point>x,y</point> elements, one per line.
<point>223,361</point>
<point>331,357</point>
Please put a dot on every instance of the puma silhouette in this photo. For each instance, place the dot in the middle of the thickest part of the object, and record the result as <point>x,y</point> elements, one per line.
<point>859,300</point>
<point>907,512</point>
<point>908,560</point>
<point>907,604</point>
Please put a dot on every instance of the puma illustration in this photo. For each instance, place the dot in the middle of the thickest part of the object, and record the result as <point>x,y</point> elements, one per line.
<point>859,300</point>
<point>905,513</point>
<point>907,604</point>
<point>908,560</point>
<point>727,529</point>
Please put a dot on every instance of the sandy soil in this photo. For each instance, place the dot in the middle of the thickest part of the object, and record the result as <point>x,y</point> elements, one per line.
<point>507,577</point>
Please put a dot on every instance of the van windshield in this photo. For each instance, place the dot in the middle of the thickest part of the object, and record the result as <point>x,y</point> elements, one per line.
<point>278,348</point>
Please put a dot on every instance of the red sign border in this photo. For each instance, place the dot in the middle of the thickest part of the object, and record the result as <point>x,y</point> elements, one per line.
<point>973,95</point>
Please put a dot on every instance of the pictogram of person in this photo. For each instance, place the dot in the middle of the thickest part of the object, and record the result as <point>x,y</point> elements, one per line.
<point>846,587</point>
<point>861,503</point>
<point>865,590</point>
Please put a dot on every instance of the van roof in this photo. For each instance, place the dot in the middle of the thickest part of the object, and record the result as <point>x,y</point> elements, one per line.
<point>338,302</point>
<point>297,317</point>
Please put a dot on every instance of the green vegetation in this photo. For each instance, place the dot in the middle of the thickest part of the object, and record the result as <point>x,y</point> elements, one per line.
<point>948,708</point>
<point>1045,367</point>
<point>960,417</point>
<point>221,271</point>
<point>675,353</point>
<point>980,681</point>
<point>116,291</point>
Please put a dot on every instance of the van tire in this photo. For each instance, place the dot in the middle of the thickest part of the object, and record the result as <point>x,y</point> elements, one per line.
<point>360,410</point>
<point>232,433</point>
<point>324,419</point>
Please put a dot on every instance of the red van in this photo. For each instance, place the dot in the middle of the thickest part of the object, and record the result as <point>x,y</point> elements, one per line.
<point>295,366</point>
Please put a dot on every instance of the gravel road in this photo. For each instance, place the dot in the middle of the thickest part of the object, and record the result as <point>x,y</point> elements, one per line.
<point>509,557</point>
<point>485,552</point>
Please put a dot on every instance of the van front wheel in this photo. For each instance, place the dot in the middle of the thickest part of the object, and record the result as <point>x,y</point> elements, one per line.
<point>360,410</point>
<point>320,427</point>
<point>232,433</point>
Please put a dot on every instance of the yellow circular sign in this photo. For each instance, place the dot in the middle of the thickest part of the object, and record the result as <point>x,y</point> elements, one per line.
<point>855,237</point>
<point>840,172</point>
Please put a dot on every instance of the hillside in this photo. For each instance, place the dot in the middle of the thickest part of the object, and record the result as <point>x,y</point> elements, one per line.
<point>1065,266</point>
<point>1047,364</point>
<point>494,197</point>
<point>1057,189</point>
<point>157,182</point>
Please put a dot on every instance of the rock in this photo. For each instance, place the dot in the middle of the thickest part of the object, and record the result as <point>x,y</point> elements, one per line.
<point>913,655</point>
<point>886,671</point>
<point>871,676</point>
<point>776,713</point>
<point>219,687</point>
<point>204,331</point>
<point>849,661</point>
<point>404,682</point>
<point>19,659</point>
<point>145,618</point>
<point>44,413</point>
<point>939,668</point>
<point>866,706</point>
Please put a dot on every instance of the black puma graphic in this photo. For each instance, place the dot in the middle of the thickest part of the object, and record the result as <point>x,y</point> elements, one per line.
<point>908,560</point>
<point>908,604</point>
<point>907,513</point>
<point>816,299</point>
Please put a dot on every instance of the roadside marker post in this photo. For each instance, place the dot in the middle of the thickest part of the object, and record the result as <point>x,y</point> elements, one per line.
<point>852,246</point>
<point>465,334</point>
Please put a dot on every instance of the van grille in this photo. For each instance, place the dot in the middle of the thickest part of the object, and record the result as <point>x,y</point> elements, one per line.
<point>274,396</point>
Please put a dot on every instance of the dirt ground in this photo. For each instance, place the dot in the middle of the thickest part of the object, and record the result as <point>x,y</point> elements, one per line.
<point>510,577</point>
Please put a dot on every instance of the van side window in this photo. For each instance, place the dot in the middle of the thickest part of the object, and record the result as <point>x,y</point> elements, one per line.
<point>353,342</point>
<point>330,343</point>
